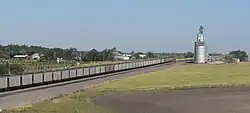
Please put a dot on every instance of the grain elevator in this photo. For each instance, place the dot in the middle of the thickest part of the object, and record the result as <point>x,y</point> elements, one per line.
<point>200,49</point>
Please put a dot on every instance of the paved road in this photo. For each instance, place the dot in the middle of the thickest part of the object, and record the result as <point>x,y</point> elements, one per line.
<point>12,99</point>
<point>214,100</point>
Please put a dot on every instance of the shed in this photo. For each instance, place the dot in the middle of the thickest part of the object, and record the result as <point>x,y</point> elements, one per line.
<point>20,56</point>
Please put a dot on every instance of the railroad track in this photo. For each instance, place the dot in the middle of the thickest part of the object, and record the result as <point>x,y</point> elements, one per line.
<point>36,94</point>
<point>15,82</point>
<point>126,72</point>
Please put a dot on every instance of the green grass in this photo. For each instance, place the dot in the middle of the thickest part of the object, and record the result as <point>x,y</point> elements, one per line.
<point>197,75</point>
<point>171,78</point>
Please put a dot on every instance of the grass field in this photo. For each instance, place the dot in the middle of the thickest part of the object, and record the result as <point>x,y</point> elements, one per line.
<point>175,77</point>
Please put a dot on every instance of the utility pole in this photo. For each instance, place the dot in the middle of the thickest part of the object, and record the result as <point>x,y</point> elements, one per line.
<point>9,62</point>
<point>103,55</point>
<point>8,67</point>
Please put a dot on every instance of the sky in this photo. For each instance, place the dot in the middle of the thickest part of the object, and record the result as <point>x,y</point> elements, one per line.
<point>128,25</point>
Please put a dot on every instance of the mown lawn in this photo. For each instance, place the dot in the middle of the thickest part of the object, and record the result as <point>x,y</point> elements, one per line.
<point>186,75</point>
<point>171,78</point>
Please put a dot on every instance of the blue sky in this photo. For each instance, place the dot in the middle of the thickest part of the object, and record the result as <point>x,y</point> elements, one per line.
<point>138,25</point>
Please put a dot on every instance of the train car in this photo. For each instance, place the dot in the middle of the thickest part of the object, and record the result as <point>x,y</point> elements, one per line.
<point>42,78</point>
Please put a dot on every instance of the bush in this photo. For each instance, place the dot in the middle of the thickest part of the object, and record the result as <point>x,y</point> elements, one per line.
<point>3,70</point>
<point>16,69</point>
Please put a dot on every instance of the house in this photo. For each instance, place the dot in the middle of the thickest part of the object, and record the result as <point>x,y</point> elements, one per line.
<point>116,53</point>
<point>142,56</point>
<point>236,60</point>
<point>60,60</point>
<point>128,55</point>
<point>119,56</point>
<point>35,56</point>
<point>21,56</point>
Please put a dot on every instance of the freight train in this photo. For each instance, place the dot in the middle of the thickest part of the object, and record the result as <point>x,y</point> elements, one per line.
<point>14,82</point>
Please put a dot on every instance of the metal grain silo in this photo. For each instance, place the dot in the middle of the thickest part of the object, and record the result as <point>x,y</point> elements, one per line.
<point>200,49</point>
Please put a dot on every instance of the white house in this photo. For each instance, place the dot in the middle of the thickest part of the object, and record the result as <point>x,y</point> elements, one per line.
<point>236,60</point>
<point>60,60</point>
<point>20,56</point>
<point>142,56</point>
<point>127,55</point>
<point>122,57</point>
<point>35,56</point>
<point>119,56</point>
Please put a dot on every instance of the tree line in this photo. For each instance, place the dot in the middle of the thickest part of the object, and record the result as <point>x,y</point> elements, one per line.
<point>71,54</point>
<point>50,54</point>
<point>239,54</point>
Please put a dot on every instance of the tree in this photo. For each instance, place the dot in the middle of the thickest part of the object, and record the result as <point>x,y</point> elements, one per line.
<point>67,54</point>
<point>49,55</point>
<point>16,69</point>
<point>3,55</point>
<point>91,55</point>
<point>242,55</point>
<point>105,55</point>
<point>23,52</point>
<point>3,69</point>
<point>113,49</point>
<point>150,55</point>
<point>137,55</point>
<point>189,55</point>
<point>229,58</point>
<point>13,68</point>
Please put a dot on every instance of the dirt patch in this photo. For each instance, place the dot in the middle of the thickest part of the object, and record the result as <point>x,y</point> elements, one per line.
<point>213,100</point>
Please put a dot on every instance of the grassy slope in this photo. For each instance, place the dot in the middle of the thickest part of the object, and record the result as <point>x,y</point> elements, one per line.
<point>195,75</point>
<point>179,76</point>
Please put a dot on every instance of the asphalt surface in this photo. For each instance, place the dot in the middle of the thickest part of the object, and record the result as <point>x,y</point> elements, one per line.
<point>29,96</point>
<point>213,100</point>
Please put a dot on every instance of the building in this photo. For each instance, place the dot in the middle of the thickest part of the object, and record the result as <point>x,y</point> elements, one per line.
<point>35,56</point>
<point>236,60</point>
<point>142,56</point>
<point>200,49</point>
<point>120,56</point>
<point>21,56</point>
<point>128,55</point>
<point>60,60</point>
